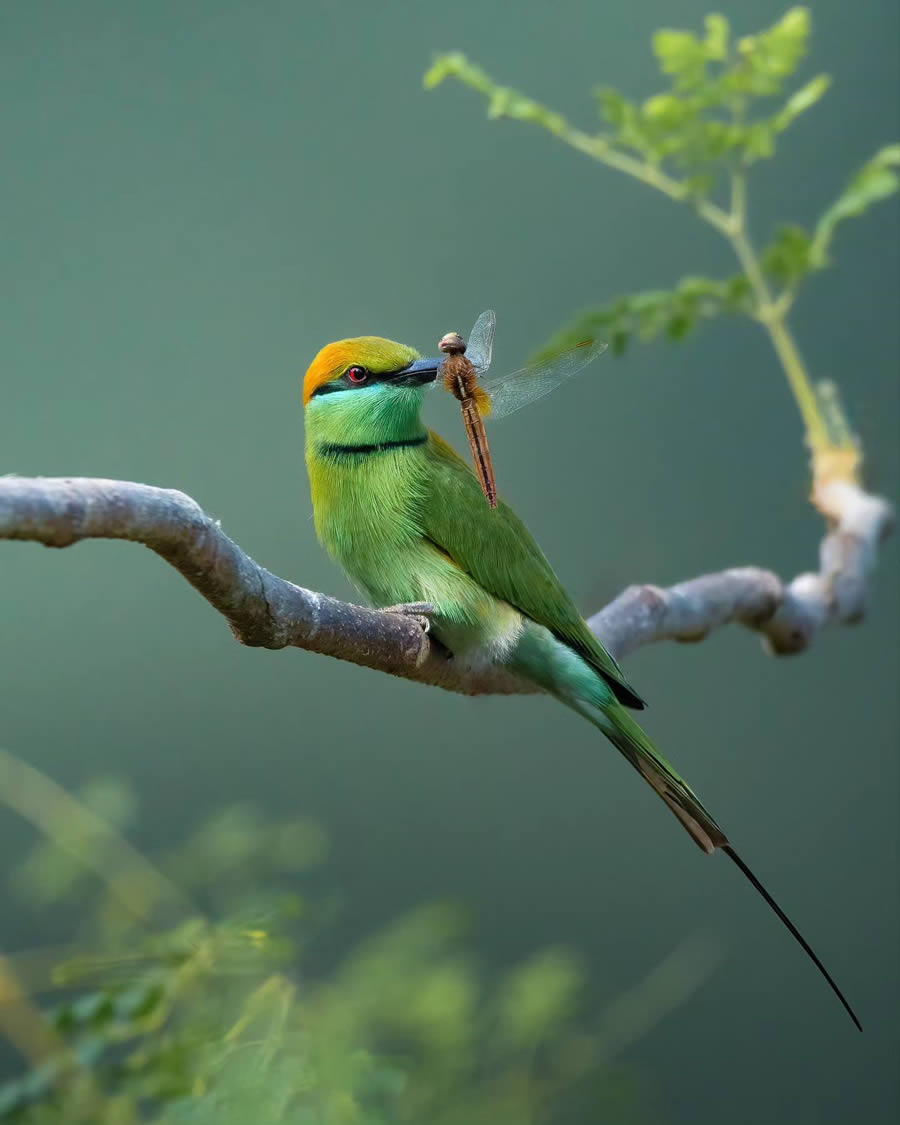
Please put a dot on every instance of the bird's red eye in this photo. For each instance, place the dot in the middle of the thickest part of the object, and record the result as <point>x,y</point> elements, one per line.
<point>357,374</point>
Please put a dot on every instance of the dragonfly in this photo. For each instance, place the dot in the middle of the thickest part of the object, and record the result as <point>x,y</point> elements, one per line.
<point>483,395</point>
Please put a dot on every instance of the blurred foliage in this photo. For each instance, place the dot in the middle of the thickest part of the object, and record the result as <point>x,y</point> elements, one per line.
<point>182,1015</point>
<point>50,874</point>
<point>725,109</point>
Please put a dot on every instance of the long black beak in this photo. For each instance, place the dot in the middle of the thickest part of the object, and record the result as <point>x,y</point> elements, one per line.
<point>419,372</point>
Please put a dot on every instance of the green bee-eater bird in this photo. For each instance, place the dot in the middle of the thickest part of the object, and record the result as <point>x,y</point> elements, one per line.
<point>405,517</point>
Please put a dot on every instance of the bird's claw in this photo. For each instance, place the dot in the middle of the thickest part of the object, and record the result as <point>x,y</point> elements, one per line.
<point>410,609</point>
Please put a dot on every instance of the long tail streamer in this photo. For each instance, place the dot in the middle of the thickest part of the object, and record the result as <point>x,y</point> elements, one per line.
<point>736,859</point>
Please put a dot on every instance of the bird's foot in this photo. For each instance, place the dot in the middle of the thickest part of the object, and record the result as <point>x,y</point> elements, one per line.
<point>410,609</point>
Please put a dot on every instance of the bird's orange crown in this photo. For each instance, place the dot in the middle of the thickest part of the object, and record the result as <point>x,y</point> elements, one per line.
<point>374,352</point>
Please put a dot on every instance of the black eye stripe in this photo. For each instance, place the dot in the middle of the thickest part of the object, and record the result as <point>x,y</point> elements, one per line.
<point>344,383</point>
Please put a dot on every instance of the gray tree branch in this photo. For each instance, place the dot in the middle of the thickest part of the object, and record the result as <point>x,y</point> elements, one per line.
<point>265,610</point>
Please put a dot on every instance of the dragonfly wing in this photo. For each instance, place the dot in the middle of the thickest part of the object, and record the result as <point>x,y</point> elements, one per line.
<point>520,388</point>
<point>480,344</point>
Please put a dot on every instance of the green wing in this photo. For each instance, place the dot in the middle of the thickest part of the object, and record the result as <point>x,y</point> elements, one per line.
<point>498,551</point>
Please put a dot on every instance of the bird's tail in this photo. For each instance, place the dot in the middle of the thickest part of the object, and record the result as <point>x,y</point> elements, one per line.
<point>634,745</point>
<point>558,669</point>
<point>621,729</point>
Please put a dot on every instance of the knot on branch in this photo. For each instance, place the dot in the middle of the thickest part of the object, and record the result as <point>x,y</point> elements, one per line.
<point>803,611</point>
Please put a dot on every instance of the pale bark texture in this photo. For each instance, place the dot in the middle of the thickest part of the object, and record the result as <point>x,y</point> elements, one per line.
<point>265,610</point>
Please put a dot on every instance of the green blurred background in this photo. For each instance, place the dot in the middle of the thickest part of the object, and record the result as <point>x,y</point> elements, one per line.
<point>196,197</point>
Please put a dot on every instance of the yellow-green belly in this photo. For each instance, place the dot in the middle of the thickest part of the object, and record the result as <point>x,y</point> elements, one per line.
<point>369,517</point>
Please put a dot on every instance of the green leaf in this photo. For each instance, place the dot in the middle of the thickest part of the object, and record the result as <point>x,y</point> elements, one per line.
<point>772,56</point>
<point>503,101</point>
<point>454,64</point>
<point>876,180</point>
<point>619,342</point>
<point>12,1098</point>
<point>676,312</point>
<point>631,126</point>
<point>738,295</point>
<point>443,1006</point>
<point>759,142</point>
<point>679,326</point>
<point>612,106</point>
<point>137,1000</point>
<point>683,56</point>
<point>40,1080</point>
<point>537,998</point>
<point>717,37</point>
<point>800,101</point>
<point>667,110</point>
<point>788,258</point>
<point>95,1007</point>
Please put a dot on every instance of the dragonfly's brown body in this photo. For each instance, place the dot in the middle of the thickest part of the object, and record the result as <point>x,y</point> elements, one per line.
<point>461,380</point>
<point>485,394</point>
